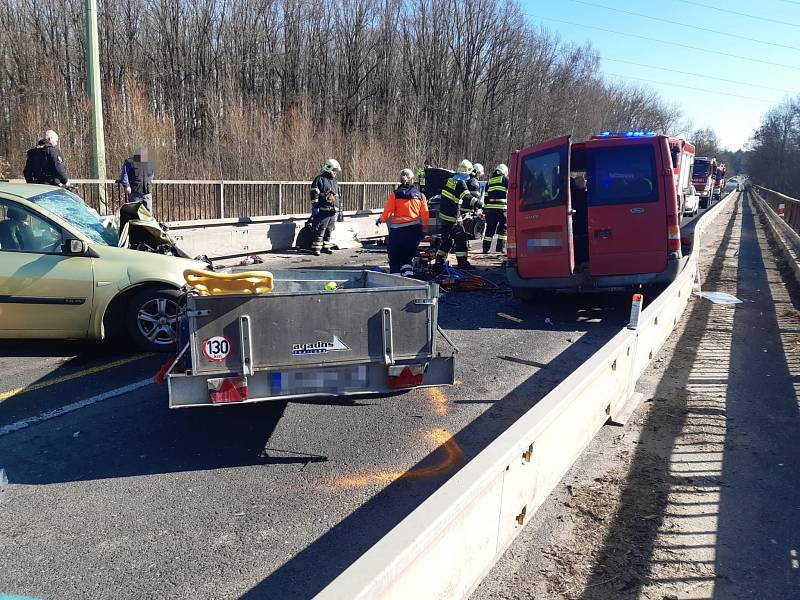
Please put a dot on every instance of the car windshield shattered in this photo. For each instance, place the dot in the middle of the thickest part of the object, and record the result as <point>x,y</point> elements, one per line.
<point>74,211</point>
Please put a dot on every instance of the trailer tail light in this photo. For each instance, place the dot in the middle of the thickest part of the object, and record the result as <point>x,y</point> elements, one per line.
<point>406,376</point>
<point>226,390</point>
<point>511,242</point>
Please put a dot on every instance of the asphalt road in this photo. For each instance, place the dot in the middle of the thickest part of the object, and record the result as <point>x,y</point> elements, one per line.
<point>113,495</point>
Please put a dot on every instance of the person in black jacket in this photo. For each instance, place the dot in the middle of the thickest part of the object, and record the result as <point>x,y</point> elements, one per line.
<point>44,163</point>
<point>324,195</point>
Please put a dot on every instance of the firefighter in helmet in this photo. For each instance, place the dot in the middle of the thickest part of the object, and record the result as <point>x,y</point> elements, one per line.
<point>495,208</point>
<point>456,197</point>
<point>473,183</point>
<point>324,195</point>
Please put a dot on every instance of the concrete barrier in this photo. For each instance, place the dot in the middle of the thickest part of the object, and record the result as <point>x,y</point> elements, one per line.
<point>445,547</point>
<point>234,237</point>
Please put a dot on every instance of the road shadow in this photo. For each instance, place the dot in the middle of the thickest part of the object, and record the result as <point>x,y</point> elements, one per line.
<point>621,565</point>
<point>707,484</point>
<point>144,437</point>
<point>80,350</point>
<point>318,564</point>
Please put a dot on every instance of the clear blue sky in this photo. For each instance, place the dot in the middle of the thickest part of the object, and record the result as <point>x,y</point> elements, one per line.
<point>732,107</point>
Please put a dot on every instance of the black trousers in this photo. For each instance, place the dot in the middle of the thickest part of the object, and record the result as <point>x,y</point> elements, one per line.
<point>403,246</point>
<point>495,224</point>
<point>453,234</point>
<point>323,225</point>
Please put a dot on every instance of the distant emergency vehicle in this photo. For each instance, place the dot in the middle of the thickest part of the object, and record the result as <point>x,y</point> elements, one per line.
<point>704,179</point>
<point>604,213</point>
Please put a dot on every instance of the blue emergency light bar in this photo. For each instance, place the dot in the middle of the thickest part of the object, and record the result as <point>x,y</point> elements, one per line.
<point>629,134</point>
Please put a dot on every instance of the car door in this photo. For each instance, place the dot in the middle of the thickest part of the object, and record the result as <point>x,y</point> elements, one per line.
<point>542,210</point>
<point>627,213</point>
<point>43,292</point>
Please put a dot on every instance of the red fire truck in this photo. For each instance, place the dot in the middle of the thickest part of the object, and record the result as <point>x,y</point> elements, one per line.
<point>703,179</point>
<point>604,213</point>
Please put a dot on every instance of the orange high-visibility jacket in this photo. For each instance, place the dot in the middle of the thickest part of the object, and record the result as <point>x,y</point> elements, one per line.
<point>401,212</point>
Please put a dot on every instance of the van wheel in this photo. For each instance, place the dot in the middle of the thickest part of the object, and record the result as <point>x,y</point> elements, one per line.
<point>152,319</point>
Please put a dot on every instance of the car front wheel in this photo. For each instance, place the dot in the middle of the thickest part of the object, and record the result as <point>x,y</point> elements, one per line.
<point>152,319</point>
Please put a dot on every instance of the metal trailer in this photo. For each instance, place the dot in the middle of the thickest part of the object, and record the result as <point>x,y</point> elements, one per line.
<point>374,334</point>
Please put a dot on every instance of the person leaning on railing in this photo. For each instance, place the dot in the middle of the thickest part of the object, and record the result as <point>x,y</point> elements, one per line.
<point>406,214</point>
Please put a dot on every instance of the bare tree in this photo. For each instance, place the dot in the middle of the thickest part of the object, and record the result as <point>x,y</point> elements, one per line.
<point>269,88</point>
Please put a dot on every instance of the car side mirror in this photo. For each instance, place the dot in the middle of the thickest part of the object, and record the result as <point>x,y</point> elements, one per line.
<point>75,247</point>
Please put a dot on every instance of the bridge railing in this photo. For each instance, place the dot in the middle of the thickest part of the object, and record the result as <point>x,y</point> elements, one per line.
<point>783,205</point>
<point>194,199</point>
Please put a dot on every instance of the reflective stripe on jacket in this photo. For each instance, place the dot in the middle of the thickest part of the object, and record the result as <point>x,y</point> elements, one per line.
<point>454,196</point>
<point>496,192</point>
<point>405,206</point>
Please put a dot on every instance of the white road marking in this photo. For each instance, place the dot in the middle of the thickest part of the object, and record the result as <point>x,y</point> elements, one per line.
<point>52,414</point>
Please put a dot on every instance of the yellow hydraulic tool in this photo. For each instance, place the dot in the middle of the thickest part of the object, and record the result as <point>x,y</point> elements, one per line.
<point>208,283</point>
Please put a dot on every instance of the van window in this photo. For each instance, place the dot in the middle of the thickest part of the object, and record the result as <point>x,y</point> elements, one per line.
<point>622,175</point>
<point>541,181</point>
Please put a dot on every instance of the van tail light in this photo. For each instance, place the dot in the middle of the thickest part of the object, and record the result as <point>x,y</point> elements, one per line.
<point>511,242</point>
<point>674,240</point>
<point>225,390</point>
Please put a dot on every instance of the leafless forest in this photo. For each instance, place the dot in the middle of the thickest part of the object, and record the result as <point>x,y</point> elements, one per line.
<point>774,158</point>
<point>265,89</point>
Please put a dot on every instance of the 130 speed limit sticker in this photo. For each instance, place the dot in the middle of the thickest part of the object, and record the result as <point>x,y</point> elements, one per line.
<point>217,348</point>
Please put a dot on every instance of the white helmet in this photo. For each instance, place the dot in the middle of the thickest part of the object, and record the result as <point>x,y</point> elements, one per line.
<point>464,167</point>
<point>331,165</point>
<point>503,169</point>
<point>477,169</point>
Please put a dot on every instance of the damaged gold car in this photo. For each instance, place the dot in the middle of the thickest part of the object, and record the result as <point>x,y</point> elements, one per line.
<point>63,274</point>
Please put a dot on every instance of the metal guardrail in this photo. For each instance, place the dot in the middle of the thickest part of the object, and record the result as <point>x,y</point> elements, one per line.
<point>446,546</point>
<point>787,236</point>
<point>195,199</point>
<point>782,204</point>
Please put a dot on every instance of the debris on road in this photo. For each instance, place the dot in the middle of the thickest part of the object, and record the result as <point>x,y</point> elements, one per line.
<point>509,317</point>
<point>719,297</point>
